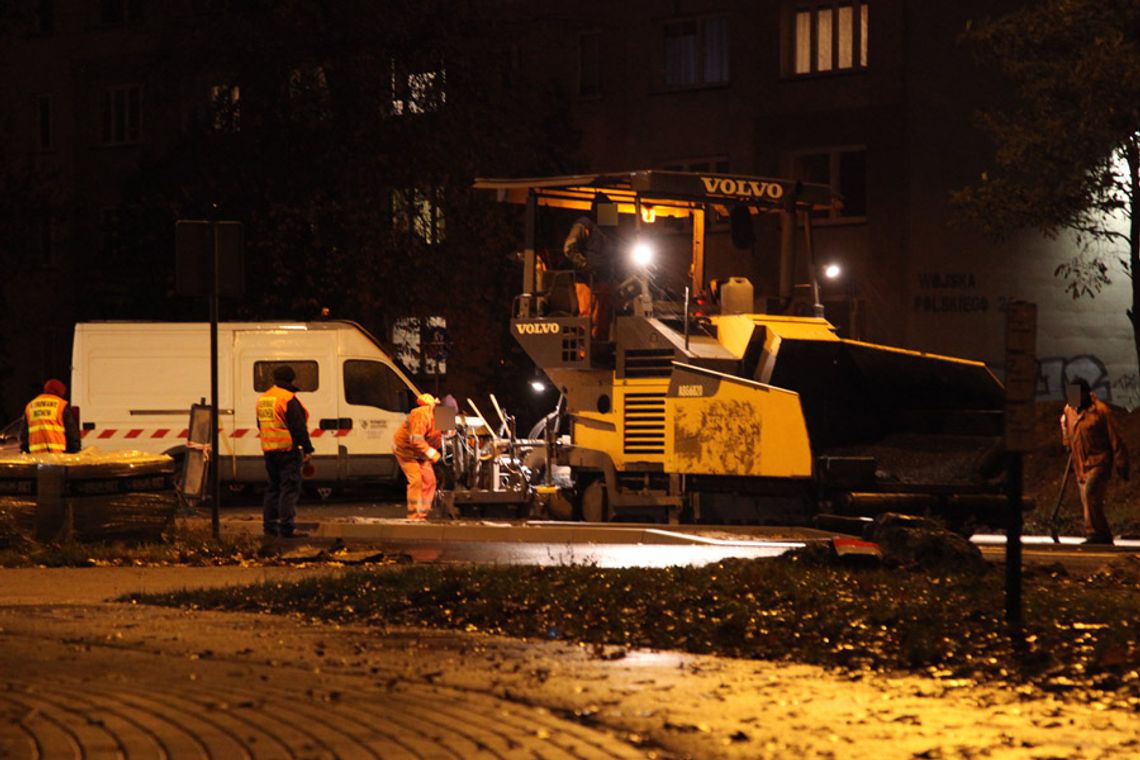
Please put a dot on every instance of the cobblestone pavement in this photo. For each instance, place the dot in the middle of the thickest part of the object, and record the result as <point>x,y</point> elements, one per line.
<point>81,677</point>
<point>118,680</point>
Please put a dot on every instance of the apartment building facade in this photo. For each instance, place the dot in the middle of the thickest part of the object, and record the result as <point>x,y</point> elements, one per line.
<point>875,98</point>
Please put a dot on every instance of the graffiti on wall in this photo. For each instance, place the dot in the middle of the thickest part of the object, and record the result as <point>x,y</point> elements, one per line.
<point>1055,372</point>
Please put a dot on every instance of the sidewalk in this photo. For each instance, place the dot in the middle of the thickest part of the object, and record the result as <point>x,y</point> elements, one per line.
<point>82,677</point>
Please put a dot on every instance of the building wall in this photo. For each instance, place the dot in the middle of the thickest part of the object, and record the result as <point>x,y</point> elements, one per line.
<point>921,279</point>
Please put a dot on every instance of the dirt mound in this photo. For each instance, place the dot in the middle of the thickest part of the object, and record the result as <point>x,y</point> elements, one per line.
<point>1045,466</point>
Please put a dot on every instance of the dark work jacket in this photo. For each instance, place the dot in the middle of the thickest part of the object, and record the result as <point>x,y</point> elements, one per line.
<point>588,248</point>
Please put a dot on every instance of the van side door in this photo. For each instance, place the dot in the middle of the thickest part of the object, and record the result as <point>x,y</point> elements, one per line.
<point>376,399</point>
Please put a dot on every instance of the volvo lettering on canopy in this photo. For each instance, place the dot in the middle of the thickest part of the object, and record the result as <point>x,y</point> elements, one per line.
<point>538,328</point>
<point>743,187</point>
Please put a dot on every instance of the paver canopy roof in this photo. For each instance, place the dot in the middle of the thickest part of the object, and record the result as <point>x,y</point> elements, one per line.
<point>666,189</point>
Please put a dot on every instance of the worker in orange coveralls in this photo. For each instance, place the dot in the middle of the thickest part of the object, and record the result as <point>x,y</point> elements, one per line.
<point>416,445</point>
<point>1088,428</point>
<point>48,425</point>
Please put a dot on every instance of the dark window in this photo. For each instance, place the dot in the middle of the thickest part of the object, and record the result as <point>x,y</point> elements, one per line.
<point>853,182</point>
<point>307,374</point>
<point>122,235</point>
<point>371,383</point>
<point>844,170</point>
<point>45,122</point>
<point>590,64</point>
<point>829,36</point>
<point>696,52</point>
<point>122,114</point>
<point>45,16</point>
<point>115,12</point>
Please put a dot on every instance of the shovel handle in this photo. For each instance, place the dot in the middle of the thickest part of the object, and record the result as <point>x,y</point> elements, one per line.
<point>1060,497</point>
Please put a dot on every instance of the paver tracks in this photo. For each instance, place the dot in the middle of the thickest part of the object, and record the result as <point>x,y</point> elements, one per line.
<point>74,698</point>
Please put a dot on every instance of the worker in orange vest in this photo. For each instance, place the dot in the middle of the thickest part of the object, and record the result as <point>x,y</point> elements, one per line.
<point>416,446</point>
<point>49,425</point>
<point>282,423</point>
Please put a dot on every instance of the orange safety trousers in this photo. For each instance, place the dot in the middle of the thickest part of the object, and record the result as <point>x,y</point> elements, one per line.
<point>421,486</point>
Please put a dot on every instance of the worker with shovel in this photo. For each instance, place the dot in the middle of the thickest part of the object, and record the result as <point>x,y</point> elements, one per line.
<point>1089,431</point>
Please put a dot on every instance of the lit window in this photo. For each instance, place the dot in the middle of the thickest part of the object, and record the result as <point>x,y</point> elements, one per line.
<point>418,91</point>
<point>45,122</point>
<point>830,36</point>
<point>419,213</point>
<point>122,114</point>
<point>422,344</point>
<point>225,107</point>
<point>590,64</point>
<point>844,170</point>
<point>696,52</point>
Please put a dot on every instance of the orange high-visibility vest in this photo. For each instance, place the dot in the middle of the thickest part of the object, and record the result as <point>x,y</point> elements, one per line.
<point>271,406</point>
<point>46,432</point>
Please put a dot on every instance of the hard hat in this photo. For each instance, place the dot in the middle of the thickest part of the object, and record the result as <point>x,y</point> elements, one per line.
<point>426,399</point>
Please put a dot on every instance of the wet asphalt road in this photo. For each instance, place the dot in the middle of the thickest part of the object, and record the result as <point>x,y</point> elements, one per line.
<point>379,523</point>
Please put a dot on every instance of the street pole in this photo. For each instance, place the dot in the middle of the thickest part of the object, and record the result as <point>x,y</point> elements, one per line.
<point>215,470</point>
<point>816,306</point>
<point>1020,395</point>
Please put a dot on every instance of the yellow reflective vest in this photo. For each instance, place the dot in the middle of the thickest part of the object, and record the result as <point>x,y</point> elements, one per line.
<point>46,431</point>
<point>274,431</point>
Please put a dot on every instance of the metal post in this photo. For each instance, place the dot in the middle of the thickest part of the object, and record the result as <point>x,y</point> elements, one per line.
<point>1013,541</point>
<point>215,453</point>
<point>530,267</point>
<point>686,317</point>
<point>816,307</point>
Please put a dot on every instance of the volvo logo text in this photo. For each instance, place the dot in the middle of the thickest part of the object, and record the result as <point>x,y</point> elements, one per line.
<point>749,188</point>
<point>538,328</point>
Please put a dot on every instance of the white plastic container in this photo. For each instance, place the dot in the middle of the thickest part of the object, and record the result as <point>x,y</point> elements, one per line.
<point>736,296</point>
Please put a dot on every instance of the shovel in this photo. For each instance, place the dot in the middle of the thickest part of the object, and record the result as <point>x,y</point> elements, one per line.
<point>1060,499</point>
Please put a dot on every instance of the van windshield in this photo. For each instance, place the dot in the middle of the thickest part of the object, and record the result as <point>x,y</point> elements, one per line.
<point>371,383</point>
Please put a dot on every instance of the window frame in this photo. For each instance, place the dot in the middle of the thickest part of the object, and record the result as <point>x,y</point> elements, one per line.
<point>700,55</point>
<point>859,49</point>
<point>131,134</point>
<point>397,388</point>
<point>417,90</point>
<point>225,120</point>
<point>263,373</point>
<point>129,11</point>
<point>594,90</point>
<point>45,122</point>
<point>834,215</point>
<point>419,213</point>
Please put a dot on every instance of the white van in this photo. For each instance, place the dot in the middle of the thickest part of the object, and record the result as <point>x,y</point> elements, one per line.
<point>133,384</point>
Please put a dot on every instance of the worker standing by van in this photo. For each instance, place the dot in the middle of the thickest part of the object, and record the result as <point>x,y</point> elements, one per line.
<point>282,421</point>
<point>1089,430</point>
<point>416,445</point>
<point>49,424</point>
